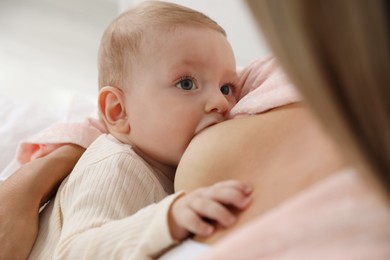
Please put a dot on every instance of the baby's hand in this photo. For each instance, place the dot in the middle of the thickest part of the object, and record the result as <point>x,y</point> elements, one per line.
<point>191,212</point>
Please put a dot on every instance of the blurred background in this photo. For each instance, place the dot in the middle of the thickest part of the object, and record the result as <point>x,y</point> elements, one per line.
<point>48,48</point>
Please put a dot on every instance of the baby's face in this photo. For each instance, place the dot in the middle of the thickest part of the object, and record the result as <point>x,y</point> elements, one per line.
<point>183,82</point>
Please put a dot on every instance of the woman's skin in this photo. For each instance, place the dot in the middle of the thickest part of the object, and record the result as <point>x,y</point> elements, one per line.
<point>280,153</point>
<point>18,215</point>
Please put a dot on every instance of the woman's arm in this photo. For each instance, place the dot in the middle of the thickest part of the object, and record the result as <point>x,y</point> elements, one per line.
<point>41,178</point>
<point>24,192</point>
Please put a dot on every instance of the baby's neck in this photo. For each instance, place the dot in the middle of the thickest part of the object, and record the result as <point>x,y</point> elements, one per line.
<point>164,173</point>
<point>162,169</point>
<point>166,170</point>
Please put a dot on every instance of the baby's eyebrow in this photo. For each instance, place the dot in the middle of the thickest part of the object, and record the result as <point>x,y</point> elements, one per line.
<point>183,65</point>
<point>188,62</point>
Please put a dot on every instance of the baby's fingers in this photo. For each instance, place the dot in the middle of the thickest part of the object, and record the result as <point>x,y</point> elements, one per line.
<point>229,196</point>
<point>195,224</point>
<point>234,184</point>
<point>213,210</point>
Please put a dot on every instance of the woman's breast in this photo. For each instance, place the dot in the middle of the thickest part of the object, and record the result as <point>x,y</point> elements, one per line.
<point>279,153</point>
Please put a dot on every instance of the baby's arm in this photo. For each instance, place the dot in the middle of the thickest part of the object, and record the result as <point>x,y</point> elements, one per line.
<point>196,211</point>
<point>147,233</point>
<point>22,194</point>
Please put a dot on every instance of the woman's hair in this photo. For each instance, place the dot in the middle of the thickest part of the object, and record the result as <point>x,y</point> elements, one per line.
<point>121,41</point>
<point>337,53</point>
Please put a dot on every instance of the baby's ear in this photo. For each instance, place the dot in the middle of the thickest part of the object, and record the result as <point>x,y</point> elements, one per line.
<point>112,109</point>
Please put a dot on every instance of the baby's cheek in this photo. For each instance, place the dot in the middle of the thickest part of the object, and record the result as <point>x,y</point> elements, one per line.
<point>232,102</point>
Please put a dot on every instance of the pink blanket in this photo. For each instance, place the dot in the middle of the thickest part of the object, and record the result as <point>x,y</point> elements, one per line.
<point>264,86</point>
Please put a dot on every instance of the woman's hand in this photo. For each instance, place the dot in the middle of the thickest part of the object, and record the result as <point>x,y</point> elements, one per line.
<point>22,195</point>
<point>18,217</point>
<point>198,211</point>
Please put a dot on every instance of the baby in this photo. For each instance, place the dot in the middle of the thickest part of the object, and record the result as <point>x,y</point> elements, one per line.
<point>166,73</point>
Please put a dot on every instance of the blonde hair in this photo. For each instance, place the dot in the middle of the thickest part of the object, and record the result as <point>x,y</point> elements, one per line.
<point>121,41</point>
<point>337,53</point>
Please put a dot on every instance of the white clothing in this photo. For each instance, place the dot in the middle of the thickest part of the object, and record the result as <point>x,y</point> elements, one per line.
<point>189,250</point>
<point>89,217</point>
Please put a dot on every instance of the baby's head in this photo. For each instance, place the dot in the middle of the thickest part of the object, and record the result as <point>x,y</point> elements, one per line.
<point>123,39</point>
<point>166,72</point>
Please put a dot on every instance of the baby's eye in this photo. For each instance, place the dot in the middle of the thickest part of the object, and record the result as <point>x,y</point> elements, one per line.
<point>226,89</point>
<point>186,84</point>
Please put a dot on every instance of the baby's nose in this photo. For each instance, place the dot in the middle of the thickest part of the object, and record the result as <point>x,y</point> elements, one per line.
<point>217,103</point>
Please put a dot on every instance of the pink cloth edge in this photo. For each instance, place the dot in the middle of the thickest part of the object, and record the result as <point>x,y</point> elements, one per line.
<point>57,135</point>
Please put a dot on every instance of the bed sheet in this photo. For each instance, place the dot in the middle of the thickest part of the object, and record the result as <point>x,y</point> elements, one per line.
<point>21,119</point>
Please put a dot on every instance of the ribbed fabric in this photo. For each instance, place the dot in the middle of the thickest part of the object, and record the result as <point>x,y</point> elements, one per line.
<point>90,218</point>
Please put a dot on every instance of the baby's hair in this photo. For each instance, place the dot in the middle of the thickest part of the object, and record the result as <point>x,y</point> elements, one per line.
<point>121,40</point>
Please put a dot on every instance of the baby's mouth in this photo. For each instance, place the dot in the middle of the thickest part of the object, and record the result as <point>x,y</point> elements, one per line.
<point>210,124</point>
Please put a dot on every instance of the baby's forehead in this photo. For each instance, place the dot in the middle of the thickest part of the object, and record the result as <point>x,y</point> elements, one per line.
<point>187,53</point>
<point>163,36</point>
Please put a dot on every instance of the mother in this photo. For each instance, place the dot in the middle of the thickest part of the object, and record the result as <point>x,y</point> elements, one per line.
<point>315,196</point>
